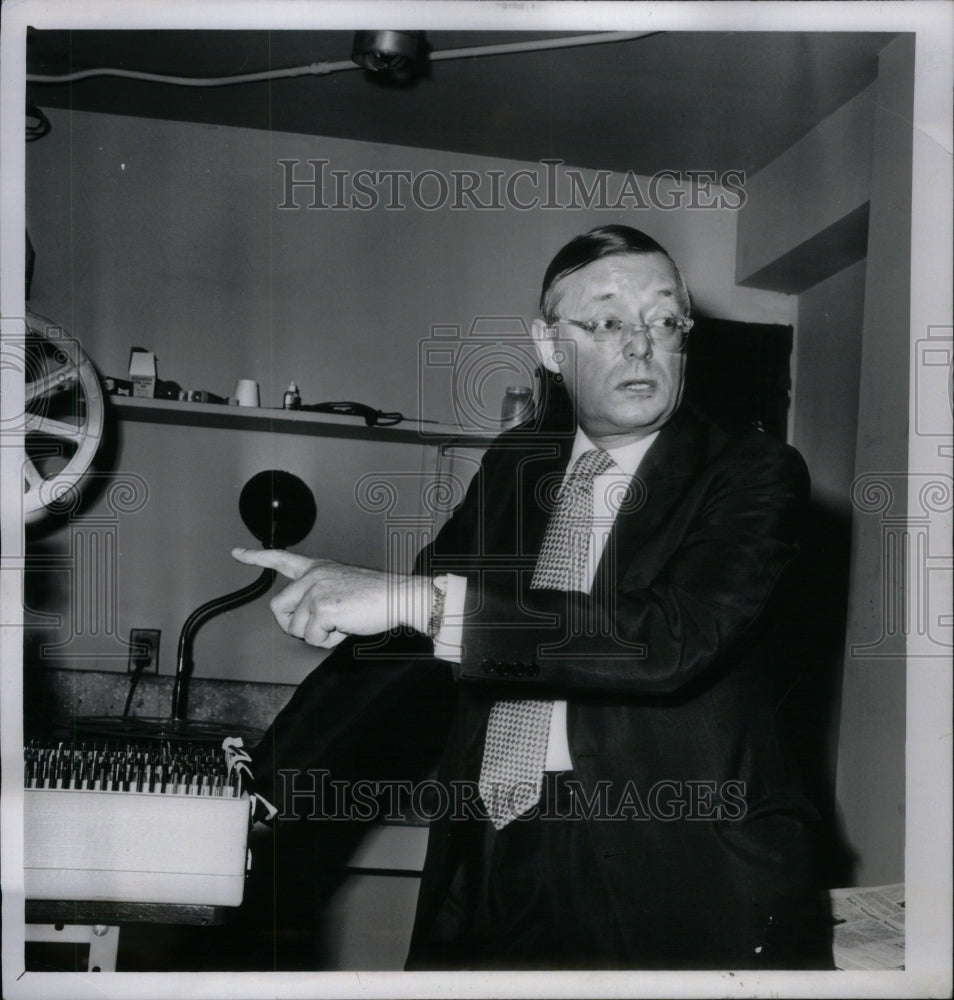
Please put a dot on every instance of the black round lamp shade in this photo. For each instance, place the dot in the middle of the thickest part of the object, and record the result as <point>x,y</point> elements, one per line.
<point>278,508</point>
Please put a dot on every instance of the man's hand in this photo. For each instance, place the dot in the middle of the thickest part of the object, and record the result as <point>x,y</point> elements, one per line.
<point>327,600</point>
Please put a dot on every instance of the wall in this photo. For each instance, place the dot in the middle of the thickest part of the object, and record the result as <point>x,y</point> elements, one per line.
<point>169,236</point>
<point>841,193</point>
<point>825,427</point>
<point>172,551</point>
<point>828,362</point>
<point>874,689</point>
<point>790,243</point>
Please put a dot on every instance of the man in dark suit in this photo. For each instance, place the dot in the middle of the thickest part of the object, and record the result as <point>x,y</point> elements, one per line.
<point>601,606</point>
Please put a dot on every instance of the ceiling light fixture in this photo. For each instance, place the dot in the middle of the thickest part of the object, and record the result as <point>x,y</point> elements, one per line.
<point>394,55</point>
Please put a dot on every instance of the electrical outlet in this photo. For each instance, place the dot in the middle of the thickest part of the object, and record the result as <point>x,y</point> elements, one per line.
<point>143,646</point>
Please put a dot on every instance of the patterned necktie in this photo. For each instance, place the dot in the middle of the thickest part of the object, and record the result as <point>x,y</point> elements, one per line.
<point>515,747</point>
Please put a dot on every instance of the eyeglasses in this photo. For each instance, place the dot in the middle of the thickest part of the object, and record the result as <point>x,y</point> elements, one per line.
<point>669,333</point>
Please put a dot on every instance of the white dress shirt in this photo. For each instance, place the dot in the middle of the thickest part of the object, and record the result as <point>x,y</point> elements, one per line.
<point>609,488</point>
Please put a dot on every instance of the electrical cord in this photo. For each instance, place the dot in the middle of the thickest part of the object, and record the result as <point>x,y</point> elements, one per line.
<point>139,669</point>
<point>312,69</point>
<point>372,417</point>
<point>323,69</point>
<point>38,125</point>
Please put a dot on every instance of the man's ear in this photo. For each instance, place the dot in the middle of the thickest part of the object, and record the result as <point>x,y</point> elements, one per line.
<point>545,341</point>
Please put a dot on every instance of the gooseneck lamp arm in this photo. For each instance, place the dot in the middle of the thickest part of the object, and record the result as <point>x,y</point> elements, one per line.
<point>195,621</point>
<point>279,510</point>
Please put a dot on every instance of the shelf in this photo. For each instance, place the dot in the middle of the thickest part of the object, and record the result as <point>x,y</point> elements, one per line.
<point>249,418</point>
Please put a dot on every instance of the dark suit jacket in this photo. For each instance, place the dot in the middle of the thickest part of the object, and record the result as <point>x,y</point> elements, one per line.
<point>673,694</point>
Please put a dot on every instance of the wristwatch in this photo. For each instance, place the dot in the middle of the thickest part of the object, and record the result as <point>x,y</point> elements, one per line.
<point>439,590</point>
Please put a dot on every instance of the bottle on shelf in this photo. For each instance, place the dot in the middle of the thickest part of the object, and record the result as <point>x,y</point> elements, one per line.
<point>292,398</point>
<point>517,405</point>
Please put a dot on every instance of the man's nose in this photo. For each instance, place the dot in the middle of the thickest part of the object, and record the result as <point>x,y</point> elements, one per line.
<point>639,345</point>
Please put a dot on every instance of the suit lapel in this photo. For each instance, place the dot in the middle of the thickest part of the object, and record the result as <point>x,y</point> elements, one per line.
<point>539,477</point>
<point>658,485</point>
<point>671,462</point>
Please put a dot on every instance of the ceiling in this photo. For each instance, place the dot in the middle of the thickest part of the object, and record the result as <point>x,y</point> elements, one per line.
<point>672,100</point>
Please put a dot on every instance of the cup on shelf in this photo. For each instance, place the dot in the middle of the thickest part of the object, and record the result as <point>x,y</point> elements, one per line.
<point>246,392</point>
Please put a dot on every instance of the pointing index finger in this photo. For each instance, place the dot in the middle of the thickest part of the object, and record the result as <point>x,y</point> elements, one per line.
<point>289,564</point>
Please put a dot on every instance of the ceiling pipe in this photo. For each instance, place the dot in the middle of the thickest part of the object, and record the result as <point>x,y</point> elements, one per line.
<point>323,69</point>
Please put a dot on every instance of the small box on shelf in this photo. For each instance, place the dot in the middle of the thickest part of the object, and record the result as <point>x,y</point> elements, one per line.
<point>142,372</point>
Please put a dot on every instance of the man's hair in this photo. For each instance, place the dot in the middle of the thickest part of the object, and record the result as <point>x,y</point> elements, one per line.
<point>604,241</point>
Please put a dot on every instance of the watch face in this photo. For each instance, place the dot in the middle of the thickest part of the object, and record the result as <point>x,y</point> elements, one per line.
<point>439,594</point>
